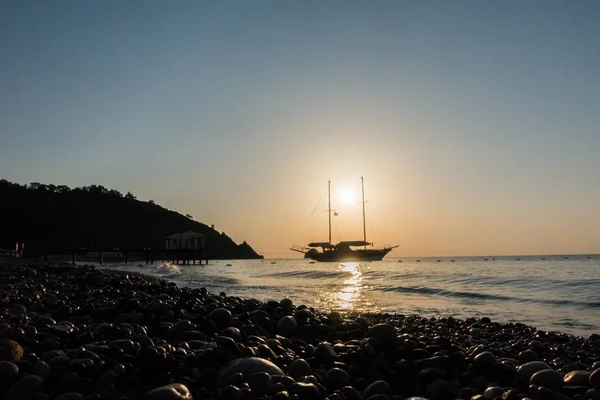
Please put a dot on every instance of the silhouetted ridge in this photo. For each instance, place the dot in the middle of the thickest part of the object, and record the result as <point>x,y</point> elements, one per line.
<point>51,217</point>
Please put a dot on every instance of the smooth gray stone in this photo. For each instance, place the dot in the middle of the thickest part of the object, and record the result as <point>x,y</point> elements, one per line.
<point>377,387</point>
<point>528,369</point>
<point>247,366</point>
<point>548,378</point>
<point>9,373</point>
<point>324,352</point>
<point>577,378</point>
<point>299,367</point>
<point>287,326</point>
<point>181,326</point>
<point>25,387</point>
<point>174,391</point>
<point>595,379</point>
<point>362,323</point>
<point>10,350</point>
<point>260,383</point>
<point>337,377</point>
<point>41,369</point>
<point>385,333</point>
<point>547,394</point>
<point>221,316</point>
<point>493,392</point>
<point>306,390</point>
<point>528,356</point>
<point>484,361</point>
<point>69,396</point>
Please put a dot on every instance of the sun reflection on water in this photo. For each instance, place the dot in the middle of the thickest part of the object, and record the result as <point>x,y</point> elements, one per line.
<point>348,295</point>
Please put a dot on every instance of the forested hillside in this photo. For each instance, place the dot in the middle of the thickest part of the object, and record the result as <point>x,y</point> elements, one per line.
<point>50,217</point>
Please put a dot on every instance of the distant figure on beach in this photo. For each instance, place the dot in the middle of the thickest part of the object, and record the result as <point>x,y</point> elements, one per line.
<point>19,250</point>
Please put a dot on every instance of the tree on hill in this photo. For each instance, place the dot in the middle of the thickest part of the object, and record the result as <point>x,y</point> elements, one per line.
<point>51,218</point>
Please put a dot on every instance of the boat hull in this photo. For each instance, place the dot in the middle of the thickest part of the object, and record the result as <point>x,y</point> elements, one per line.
<point>352,255</point>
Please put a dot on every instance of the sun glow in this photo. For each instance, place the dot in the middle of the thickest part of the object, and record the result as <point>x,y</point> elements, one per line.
<point>347,196</point>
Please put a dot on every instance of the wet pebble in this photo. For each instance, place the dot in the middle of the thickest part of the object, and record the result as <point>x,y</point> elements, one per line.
<point>528,369</point>
<point>247,366</point>
<point>174,391</point>
<point>377,387</point>
<point>577,378</point>
<point>24,388</point>
<point>385,333</point>
<point>10,350</point>
<point>548,378</point>
<point>9,373</point>
<point>595,379</point>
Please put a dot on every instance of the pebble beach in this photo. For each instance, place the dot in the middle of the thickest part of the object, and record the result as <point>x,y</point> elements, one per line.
<point>69,333</point>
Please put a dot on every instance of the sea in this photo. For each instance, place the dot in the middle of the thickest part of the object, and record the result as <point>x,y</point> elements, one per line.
<point>552,293</point>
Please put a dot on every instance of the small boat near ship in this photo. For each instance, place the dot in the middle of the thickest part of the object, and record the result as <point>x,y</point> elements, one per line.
<point>346,250</point>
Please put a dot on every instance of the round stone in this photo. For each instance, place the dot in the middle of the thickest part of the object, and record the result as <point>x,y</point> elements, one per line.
<point>592,394</point>
<point>41,369</point>
<point>577,378</point>
<point>528,356</point>
<point>24,388</point>
<point>10,351</point>
<point>325,352</point>
<point>69,396</point>
<point>466,393</point>
<point>535,345</point>
<point>492,392</point>
<point>232,332</point>
<point>286,304</point>
<point>305,390</point>
<point>181,326</point>
<point>174,391</point>
<point>287,326</point>
<point>595,379</point>
<point>385,333</point>
<point>221,316</point>
<point>299,367</point>
<point>483,361</point>
<point>335,317</point>
<point>476,332</point>
<point>9,373</point>
<point>377,387</point>
<point>260,383</point>
<point>528,369</point>
<point>247,366</point>
<point>45,320</point>
<point>547,378</point>
<point>362,323</point>
<point>337,378</point>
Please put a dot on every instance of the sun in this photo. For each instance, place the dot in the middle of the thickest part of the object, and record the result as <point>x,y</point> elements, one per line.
<point>347,196</point>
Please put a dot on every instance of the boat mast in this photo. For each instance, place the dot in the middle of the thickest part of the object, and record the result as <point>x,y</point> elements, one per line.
<point>362,182</point>
<point>329,207</point>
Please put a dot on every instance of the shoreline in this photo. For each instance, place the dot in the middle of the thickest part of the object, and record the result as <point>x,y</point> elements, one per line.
<point>109,334</point>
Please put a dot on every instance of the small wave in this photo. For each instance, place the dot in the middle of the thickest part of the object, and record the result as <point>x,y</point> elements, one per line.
<point>167,270</point>
<point>521,281</point>
<point>487,296</point>
<point>213,281</point>
<point>307,274</point>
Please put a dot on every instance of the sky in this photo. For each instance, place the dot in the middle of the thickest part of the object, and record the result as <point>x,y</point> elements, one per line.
<point>476,125</point>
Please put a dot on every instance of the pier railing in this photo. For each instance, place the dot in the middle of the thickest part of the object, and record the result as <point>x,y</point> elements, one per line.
<point>149,255</point>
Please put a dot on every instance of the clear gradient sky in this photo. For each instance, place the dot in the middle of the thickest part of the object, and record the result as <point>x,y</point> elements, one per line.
<point>476,124</point>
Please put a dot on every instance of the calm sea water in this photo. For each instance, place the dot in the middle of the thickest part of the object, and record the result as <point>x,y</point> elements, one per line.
<point>560,293</point>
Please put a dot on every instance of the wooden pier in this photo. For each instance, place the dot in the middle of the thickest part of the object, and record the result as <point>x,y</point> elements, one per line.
<point>149,255</point>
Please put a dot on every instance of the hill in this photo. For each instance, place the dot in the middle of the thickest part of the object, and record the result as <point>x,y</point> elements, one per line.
<point>51,218</point>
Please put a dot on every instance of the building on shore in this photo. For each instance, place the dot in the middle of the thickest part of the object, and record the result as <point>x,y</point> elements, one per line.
<point>185,241</point>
